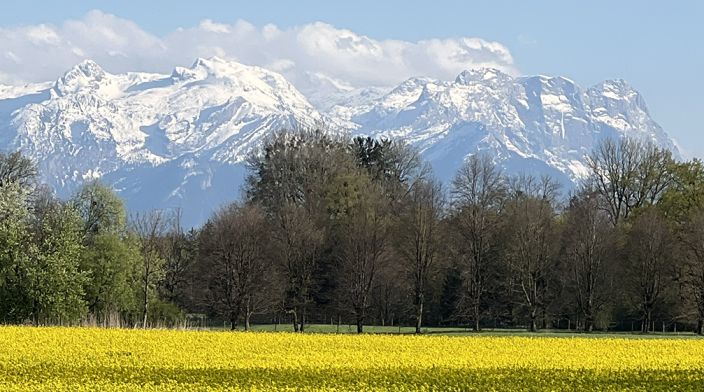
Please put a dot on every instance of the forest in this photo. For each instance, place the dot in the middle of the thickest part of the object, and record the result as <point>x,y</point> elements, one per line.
<point>356,231</point>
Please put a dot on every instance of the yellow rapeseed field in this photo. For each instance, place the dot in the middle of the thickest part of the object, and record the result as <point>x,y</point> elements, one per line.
<point>88,359</point>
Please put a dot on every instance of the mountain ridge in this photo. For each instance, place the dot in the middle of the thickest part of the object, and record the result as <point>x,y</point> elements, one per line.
<point>180,139</point>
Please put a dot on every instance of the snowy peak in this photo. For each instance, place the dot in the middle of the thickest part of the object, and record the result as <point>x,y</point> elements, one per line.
<point>617,92</point>
<point>87,74</point>
<point>616,88</point>
<point>256,85</point>
<point>482,75</point>
<point>216,67</point>
<point>87,69</point>
<point>234,72</point>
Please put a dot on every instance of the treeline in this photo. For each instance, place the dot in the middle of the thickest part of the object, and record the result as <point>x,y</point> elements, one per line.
<point>357,231</point>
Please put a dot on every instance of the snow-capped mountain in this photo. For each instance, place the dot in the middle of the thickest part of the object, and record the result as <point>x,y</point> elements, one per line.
<point>181,139</point>
<point>535,124</point>
<point>161,140</point>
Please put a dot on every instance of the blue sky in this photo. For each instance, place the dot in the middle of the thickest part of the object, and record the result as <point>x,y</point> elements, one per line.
<point>656,46</point>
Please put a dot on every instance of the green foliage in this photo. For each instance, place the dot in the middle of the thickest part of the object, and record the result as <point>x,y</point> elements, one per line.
<point>18,169</point>
<point>686,194</point>
<point>111,263</point>
<point>293,167</point>
<point>56,287</point>
<point>101,209</point>
<point>14,252</point>
<point>390,164</point>
<point>164,313</point>
<point>40,278</point>
<point>356,229</point>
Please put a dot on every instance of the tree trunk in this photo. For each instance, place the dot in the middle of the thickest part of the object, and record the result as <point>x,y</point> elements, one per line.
<point>359,317</point>
<point>533,324</point>
<point>301,327</point>
<point>145,310</point>
<point>646,320</point>
<point>233,322</point>
<point>247,315</point>
<point>476,317</point>
<point>419,315</point>
<point>700,326</point>
<point>295,320</point>
<point>589,324</point>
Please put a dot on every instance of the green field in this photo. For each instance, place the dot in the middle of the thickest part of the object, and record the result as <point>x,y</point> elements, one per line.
<point>457,331</point>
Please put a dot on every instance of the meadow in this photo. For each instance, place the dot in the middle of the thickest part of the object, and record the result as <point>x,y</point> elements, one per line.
<point>81,359</point>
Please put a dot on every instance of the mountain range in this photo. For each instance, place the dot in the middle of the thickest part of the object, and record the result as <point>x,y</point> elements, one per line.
<point>181,139</point>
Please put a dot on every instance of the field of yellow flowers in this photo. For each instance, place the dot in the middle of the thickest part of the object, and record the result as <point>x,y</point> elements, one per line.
<point>77,359</point>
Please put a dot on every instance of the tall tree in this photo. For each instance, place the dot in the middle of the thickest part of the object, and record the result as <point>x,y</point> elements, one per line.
<point>235,249</point>
<point>289,178</point>
<point>530,221</point>
<point>650,247</point>
<point>40,247</point>
<point>151,228</point>
<point>180,252</point>
<point>15,238</point>
<point>683,205</point>
<point>299,243</point>
<point>111,254</point>
<point>478,194</point>
<point>17,180</point>
<point>589,245</point>
<point>362,230</point>
<point>56,283</point>
<point>111,263</point>
<point>692,268</point>
<point>418,239</point>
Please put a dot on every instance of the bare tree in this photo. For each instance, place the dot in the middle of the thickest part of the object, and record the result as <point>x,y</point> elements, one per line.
<point>478,194</point>
<point>683,205</point>
<point>388,294</point>
<point>589,243</point>
<point>532,237</point>
<point>179,254</point>
<point>692,268</point>
<point>299,242</point>
<point>629,174</point>
<point>234,247</point>
<point>649,250</point>
<point>418,238</point>
<point>363,233</point>
<point>151,227</point>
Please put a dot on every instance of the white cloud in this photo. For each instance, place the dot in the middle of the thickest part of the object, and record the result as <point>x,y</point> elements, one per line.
<point>44,52</point>
<point>213,27</point>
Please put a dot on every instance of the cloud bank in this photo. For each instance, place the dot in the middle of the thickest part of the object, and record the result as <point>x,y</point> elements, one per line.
<point>43,52</point>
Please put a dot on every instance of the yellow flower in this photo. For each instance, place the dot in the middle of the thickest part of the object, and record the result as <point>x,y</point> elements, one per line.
<point>89,359</point>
